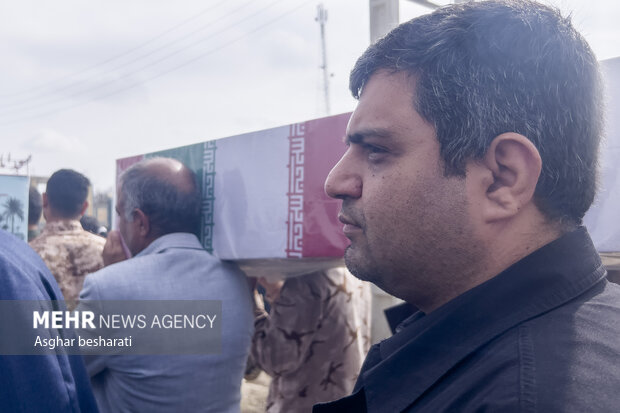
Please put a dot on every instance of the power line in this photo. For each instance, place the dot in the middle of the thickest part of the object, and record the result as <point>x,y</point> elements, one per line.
<point>175,68</point>
<point>78,93</point>
<point>118,56</point>
<point>428,4</point>
<point>51,99</point>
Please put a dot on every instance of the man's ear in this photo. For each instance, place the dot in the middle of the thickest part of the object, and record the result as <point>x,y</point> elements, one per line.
<point>513,166</point>
<point>45,204</point>
<point>141,222</point>
<point>84,207</point>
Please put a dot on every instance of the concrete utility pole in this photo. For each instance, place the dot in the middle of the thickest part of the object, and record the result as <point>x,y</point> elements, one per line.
<point>383,18</point>
<point>384,15</point>
<point>321,17</point>
<point>432,5</point>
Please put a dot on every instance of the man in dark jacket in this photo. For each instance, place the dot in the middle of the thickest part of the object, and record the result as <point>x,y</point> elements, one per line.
<point>471,162</point>
<point>36,383</point>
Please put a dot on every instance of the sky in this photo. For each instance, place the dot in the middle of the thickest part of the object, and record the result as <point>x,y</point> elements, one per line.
<point>85,83</point>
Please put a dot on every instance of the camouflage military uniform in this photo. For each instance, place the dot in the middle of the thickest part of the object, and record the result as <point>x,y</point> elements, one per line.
<point>70,253</point>
<point>314,340</point>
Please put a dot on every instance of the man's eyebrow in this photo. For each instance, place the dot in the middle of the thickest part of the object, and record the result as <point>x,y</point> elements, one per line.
<point>361,135</point>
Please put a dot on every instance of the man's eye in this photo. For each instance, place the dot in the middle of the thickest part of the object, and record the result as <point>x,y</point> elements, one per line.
<point>373,148</point>
<point>375,153</point>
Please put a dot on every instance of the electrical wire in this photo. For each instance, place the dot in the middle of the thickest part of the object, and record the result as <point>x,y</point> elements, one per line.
<point>173,69</point>
<point>27,104</point>
<point>118,56</point>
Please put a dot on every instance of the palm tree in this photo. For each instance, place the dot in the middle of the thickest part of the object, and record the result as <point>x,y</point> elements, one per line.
<point>13,207</point>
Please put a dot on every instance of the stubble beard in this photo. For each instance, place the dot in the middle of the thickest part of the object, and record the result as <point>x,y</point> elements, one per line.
<point>352,265</point>
<point>363,267</point>
<point>450,257</point>
<point>360,259</point>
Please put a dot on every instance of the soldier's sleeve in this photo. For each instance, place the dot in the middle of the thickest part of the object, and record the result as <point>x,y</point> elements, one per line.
<point>283,337</point>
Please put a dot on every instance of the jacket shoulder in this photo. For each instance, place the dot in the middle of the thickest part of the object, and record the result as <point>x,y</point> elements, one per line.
<point>574,351</point>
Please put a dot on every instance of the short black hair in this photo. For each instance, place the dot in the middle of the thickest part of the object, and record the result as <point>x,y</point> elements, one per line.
<point>486,68</point>
<point>67,191</point>
<point>169,208</point>
<point>35,206</point>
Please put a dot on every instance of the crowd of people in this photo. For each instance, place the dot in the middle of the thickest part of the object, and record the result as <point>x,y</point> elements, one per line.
<point>471,160</point>
<point>155,254</point>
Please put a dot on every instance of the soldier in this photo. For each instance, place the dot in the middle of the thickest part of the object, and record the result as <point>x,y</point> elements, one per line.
<point>68,251</point>
<point>314,339</point>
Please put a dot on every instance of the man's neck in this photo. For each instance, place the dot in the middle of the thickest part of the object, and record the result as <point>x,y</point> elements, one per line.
<point>509,249</point>
<point>61,219</point>
<point>51,216</point>
<point>507,246</point>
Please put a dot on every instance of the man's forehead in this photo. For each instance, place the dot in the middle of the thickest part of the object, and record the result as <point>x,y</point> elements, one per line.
<point>406,81</point>
<point>385,97</point>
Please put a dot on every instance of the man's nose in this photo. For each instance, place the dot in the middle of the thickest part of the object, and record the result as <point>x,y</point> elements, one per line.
<point>344,181</point>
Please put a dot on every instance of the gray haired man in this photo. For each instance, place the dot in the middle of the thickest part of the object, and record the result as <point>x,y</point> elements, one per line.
<point>158,208</point>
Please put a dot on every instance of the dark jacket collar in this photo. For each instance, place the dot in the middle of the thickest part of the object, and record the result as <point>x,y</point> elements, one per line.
<point>545,279</point>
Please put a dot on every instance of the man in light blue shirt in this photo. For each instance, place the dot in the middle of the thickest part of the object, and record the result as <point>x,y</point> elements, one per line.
<point>158,204</point>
